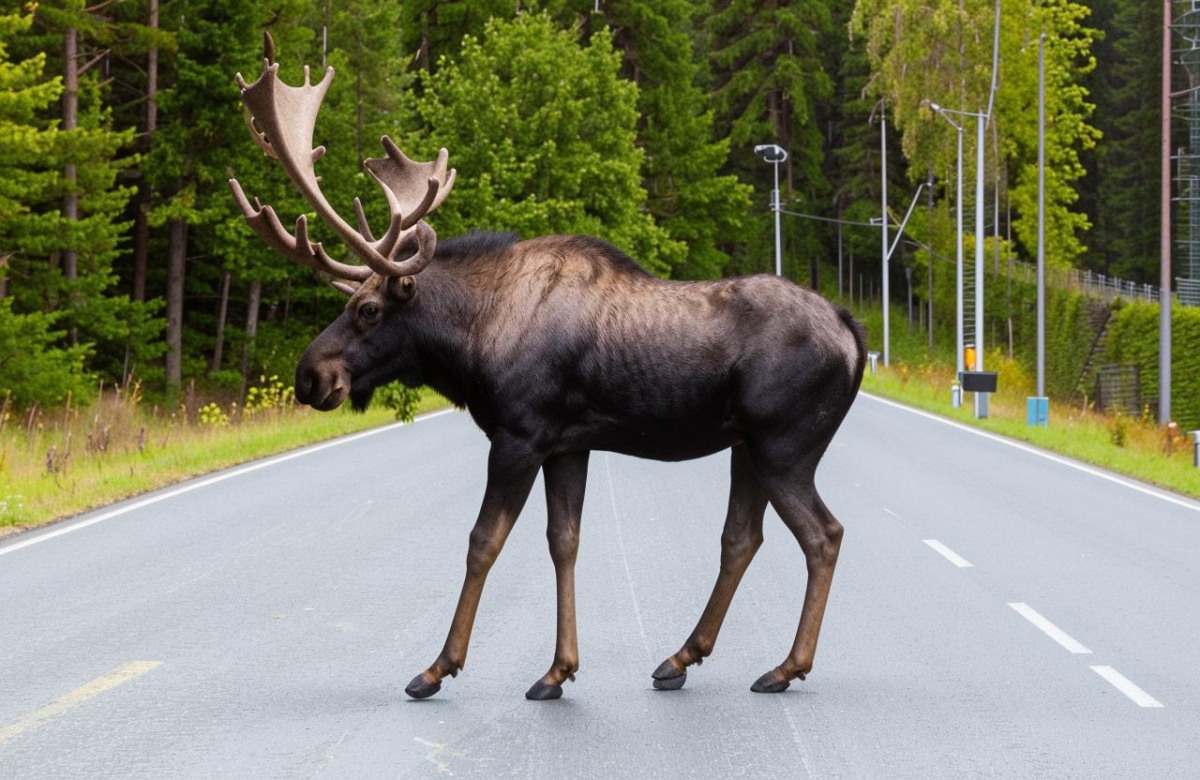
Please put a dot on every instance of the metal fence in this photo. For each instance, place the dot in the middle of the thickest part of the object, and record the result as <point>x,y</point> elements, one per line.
<point>1118,389</point>
<point>1101,286</point>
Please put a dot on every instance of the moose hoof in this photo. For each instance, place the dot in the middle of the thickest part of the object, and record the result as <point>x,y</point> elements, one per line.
<point>772,682</point>
<point>542,691</point>
<point>668,678</point>
<point>421,688</point>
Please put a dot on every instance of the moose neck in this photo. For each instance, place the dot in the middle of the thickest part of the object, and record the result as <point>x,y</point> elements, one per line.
<point>454,297</point>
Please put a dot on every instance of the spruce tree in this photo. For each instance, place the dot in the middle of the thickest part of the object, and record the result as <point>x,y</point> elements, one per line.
<point>1121,192</point>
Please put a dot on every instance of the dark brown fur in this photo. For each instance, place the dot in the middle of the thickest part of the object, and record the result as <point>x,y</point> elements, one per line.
<point>562,345</point>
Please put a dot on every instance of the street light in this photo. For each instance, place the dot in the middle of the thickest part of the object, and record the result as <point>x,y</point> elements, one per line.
<point>883,222</point>
<point>774,154</point>
<point>981,401</point>
<point>956,399</point>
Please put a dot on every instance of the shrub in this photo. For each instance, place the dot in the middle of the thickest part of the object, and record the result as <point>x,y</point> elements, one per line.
<point>402,400</point>
<point>34,369</point>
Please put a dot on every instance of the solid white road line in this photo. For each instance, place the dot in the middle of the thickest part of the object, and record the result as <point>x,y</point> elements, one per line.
<point>1122,684</point>
<point>203,483</point>
<point>1162,495</point>
<point>948,554</point>
<point>93,689</point>
<point>1049,629</point>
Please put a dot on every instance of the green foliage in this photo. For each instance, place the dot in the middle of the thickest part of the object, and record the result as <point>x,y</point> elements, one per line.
<point>433,30</point>
<point>399,398</point>
<point>534,152</point>
<point>34,368</point>
<point>686,195</point>
<point>1068,131</point>
<point>632,120</point>
<point>79,324</point>
<point>769,80</point>
<point>1123,193</point>
<point>1133,340</point>
<point>924,55</point>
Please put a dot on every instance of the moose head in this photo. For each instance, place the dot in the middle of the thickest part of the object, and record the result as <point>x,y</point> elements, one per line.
<point>281,119</point>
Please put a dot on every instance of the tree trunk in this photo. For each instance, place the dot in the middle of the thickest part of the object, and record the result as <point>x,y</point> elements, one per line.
<point>222,314</point>
<point>176,263</point>
<point>141,241</point>
<point>251,332</point>
<point>70,120</point>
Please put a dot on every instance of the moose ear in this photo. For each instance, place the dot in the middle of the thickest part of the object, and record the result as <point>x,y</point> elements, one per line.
<point>402,287</point>
<point>342,287</point>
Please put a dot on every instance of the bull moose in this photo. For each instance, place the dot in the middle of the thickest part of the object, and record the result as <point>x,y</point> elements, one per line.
<point>561,345</point>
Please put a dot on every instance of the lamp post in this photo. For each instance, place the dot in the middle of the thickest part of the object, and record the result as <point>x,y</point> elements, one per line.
<point>774,155</point>
<point>981,400</point>
<point>956,398</point>
<point>1164,304</point>
<point>1038,408</point>
<point>887,296</point>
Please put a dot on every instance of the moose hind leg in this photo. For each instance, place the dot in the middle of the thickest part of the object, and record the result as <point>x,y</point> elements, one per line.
<point>739,542</point>
<point>820,538</point>
<point>566,479</point>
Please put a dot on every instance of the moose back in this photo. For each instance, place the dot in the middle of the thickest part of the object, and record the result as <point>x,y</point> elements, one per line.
<point>561,345</point>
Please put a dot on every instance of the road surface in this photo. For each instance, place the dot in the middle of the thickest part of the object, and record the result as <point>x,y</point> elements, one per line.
<point>262,623</point>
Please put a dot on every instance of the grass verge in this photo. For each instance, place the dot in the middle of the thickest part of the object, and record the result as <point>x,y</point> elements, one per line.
<point>1131,445</point>
<point>59,464</point>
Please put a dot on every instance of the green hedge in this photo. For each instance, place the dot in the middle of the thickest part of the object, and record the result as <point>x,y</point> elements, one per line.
<point>1070,331</point>
<point>1133,341</point>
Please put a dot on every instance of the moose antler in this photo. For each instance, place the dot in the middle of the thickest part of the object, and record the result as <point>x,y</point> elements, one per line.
<point>281,121</point>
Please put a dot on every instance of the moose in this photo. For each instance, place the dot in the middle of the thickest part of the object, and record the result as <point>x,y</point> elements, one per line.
<point>561,345</point>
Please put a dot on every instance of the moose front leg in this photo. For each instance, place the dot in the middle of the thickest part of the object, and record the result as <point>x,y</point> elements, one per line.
<point>566,479</point>
<point>739,542</point>
<point>510,478</point>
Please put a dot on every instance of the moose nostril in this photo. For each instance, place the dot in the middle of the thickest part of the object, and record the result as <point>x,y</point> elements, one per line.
<point>304,385</point>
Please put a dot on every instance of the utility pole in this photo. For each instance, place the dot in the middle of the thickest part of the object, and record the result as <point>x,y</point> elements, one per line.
<point>1164,321</point>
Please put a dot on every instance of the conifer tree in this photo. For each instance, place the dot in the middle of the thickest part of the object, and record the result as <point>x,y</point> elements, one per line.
<point>770,80</point>
<point>75,223</point>
<point>1121,192</point>
<point>687,195</point>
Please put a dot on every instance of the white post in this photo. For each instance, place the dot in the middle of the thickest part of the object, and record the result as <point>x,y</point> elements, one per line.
<point>958,276</point>
<point>1041,234</point>
<point>1164,313</point>
<point>884,225</point>
<point>981,399</point>
<point>1037,409</point>
<point>775,205</point>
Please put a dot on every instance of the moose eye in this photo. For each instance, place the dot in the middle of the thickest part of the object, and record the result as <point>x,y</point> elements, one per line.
<point>369,312</point>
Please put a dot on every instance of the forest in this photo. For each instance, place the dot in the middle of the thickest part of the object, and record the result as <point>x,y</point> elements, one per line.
<point>124,260</point>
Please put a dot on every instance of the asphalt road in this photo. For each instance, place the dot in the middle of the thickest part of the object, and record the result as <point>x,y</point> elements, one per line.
<point>262,624</point>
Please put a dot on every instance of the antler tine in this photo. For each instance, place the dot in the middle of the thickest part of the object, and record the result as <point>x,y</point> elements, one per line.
<point>413,191</point>
<point>282,120</point>
<point>426,244</point>
<point>265,222</point>
<point>363,226</point>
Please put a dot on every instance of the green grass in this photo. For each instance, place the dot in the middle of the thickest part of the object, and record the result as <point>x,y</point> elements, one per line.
<point>60,464</point>
<point>1132,446</point>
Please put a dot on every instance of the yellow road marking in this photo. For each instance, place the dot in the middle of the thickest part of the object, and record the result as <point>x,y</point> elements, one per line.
<point>122,674</point>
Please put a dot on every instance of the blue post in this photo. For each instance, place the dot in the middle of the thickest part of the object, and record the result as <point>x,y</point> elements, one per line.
<point>1037,411</point>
